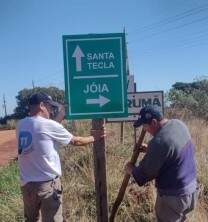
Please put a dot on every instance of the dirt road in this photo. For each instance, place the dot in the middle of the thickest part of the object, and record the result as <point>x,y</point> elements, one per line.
<point>8,149</point>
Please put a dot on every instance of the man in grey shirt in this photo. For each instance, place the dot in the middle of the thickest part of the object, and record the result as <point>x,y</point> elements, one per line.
<point>170,161</point>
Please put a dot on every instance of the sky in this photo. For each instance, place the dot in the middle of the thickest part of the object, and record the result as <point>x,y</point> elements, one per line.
<point>167,40</point>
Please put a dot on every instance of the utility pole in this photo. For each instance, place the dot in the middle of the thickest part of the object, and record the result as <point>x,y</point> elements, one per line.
<point>4,105</point>
<point>33,84</point>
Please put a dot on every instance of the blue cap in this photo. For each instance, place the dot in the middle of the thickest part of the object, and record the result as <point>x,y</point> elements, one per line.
<point>148,113</point>
<point>37,98</point>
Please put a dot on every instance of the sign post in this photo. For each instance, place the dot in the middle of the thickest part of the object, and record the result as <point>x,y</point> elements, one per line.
<point>130,88</point>
<point>100,174</point>
<point>95,88</point>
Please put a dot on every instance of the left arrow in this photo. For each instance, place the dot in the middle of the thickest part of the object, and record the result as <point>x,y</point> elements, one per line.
<point>101,101</point>
<point>78,54</point>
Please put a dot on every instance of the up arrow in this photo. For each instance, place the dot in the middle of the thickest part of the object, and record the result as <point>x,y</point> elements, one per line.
<point>78,54</point>
<point>101,101</point>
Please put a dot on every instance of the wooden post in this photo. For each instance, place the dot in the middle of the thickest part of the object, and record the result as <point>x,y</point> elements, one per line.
<point>100,174</point>
<point>122,133</point>
<point>135,136</point>
<point>73,124</point>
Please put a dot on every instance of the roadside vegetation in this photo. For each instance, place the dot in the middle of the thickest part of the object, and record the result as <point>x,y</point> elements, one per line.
<point>10,197</point>
<point>186,101</point>
<point>78,178</point>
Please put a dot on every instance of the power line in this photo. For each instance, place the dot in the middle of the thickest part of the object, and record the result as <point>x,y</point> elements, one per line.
<point>144,34</point>
<point>200,36</point>
<point>175,18</point>
<point>173,28</point>
<point>179,47</point>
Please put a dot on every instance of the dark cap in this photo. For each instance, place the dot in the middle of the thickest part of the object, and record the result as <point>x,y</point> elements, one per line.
<point>37,98</point>
<point>148,113</point>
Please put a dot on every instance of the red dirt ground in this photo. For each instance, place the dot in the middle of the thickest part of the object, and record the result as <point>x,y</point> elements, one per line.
<point>8,149</point>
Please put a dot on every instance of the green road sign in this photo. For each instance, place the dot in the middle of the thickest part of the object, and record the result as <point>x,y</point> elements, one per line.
<point>95,75</point>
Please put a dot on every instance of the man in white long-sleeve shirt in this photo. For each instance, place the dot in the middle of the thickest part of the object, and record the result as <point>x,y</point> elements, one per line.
<point>39,137</point>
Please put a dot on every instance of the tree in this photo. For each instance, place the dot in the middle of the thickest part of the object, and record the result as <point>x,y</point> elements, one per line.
<point>191,96</point>
<point>22,99</point>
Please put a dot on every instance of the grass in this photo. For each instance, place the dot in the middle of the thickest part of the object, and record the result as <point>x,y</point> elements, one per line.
<point>10,195</point>
<point>78,179</point>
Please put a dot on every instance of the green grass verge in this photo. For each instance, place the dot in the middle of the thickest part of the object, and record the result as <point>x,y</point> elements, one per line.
<point>10,194</point>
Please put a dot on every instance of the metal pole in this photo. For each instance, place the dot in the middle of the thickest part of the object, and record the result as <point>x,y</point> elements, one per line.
<point>100,174</point>
<point>4,105</point>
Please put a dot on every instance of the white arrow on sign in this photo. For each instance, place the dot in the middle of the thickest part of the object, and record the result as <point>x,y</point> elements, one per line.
<point>78,54</point>
<point>101,101</point>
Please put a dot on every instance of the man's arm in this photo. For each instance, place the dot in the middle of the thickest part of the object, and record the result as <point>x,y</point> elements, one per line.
<point>150,165</point>
<point>61,113</point>
<point>95,136</point>
<point>81,141</point>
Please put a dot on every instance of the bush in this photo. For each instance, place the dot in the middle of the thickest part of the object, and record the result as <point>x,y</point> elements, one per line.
<point>10,125</point>
<point>190,96</point>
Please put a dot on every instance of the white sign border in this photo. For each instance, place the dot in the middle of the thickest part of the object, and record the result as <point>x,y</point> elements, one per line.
<point>122,75</point>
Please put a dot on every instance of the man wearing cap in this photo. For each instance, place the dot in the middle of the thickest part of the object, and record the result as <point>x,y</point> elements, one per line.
<point>169,159</point>
<point>38,139</point>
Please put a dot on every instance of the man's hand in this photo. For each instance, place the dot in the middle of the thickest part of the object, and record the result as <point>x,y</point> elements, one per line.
<point>98,134</point>
<point>129,168</point>
<point>95,136</point>
<point>60,113</point>
<point>142,148</point>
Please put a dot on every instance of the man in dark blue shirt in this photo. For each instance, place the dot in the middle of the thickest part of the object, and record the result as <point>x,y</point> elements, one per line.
<point>170,161</point>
